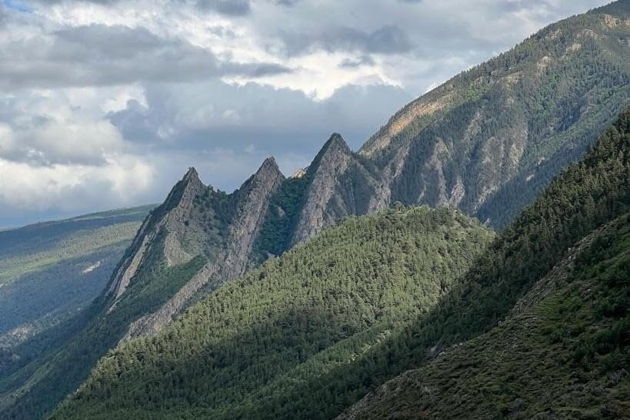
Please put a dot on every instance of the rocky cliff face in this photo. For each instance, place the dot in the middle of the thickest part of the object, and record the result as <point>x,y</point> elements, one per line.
<point>340,185</point>
<point>196,221</point>
<point>168,219</point>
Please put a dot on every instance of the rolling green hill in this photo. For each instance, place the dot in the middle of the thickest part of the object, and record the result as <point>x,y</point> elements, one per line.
<point>48,271</point>
<point>269,356</point>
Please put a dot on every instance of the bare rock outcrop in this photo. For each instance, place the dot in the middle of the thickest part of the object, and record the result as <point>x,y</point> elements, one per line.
<point>231,258</point>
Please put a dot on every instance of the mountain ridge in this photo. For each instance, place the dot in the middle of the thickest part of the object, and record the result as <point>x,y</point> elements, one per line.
<point>299,293</point>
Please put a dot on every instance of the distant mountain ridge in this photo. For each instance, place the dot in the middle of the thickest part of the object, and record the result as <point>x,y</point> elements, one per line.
<point>50,270</point>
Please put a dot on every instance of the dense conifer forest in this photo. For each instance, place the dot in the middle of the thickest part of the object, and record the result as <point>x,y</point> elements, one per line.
<point>318,307</point>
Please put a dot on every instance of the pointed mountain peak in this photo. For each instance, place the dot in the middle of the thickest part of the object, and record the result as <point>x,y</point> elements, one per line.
<point>268,174</point>
<point>269,164</point>
<point>334,149</point>
<point>191,175</point>
<point>336,142</point>
<point>191,181</point>
<point>269,169</point>
<point>184,191</point>
<point>170,215</point>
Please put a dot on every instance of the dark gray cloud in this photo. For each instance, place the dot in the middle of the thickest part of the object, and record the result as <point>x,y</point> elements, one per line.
<point>217,114</point>
<point>255,70</point>
<point>388,39</point>
<point>288,3</point>
<point>100,55</point>
<point>226,7</point>
<point>364,60</point>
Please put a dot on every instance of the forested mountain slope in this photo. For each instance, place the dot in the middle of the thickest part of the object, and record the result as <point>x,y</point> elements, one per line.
<point>583,199</point>
<point>539,106</point>
<point>508,126</point>
<point>563,352</point>
<point>48,271</point>
<point>242,350</point>
<point>586,316</point>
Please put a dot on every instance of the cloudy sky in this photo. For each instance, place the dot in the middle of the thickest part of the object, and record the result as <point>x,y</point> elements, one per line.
<point>106,103</point>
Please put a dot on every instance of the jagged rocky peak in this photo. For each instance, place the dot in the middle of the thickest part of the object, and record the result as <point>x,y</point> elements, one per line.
<point>181,195</point>
<point>268,174</point>
<point>326,197</point>
<point>334,155</point>
<point>229,258</point>
<point>269,167</point>
<point>170,216</point>
<point>191,174</point>
<point>336,144</point>
<point>191,178</point>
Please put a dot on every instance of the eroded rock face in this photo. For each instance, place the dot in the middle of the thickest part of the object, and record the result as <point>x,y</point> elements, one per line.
<point>229,258</point>
<point>339,186</point>
<point>170,220</point>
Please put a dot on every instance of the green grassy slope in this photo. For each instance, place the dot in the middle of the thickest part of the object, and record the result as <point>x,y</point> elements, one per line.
<point>241,351</point>
<point>52,363</point>
<point>50,270</point>
<point>562,353</point>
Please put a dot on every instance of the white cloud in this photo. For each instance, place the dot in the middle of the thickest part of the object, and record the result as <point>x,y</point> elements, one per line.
<point>7,141</point>
<point>70,141</point>
<point>62,187</point>
<point>57,126</point>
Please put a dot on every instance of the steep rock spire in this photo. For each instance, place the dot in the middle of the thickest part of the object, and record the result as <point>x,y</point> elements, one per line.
<point>170,215</point>
<point>335,175</point>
